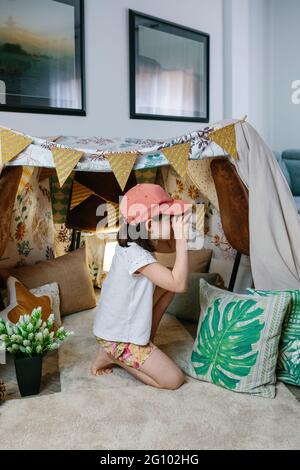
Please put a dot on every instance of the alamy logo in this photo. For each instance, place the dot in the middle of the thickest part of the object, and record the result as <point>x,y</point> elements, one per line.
<point>296,92</point>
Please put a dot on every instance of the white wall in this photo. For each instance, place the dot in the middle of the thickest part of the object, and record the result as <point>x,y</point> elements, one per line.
<point>246,62</point>
<point>107,76</point>
<point>285,68</point>
<point>259,67</point>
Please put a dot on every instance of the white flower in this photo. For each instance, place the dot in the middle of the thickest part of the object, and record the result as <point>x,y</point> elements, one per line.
<point>9,330</point>
<point>28,350</point>
<point>39,336</point>
<point>46,332</point>
<point>30,336</point>
<point>15,347</point>
<point>30,327</point>
<point>39,349</point>
<point>26,342</point>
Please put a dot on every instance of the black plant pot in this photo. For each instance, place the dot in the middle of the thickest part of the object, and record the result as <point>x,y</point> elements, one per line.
<point>29,373</point>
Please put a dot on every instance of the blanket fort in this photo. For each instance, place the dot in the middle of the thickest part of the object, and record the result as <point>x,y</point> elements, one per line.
<point>273,217</point>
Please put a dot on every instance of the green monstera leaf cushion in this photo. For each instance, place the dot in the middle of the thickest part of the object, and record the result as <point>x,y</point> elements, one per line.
<point>288,365</point>
<point>237,340</point>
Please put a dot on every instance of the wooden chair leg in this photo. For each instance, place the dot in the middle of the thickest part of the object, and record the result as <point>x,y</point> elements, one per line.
<point>234,271</point>
<point>78,238</point>
<point>73,240</point>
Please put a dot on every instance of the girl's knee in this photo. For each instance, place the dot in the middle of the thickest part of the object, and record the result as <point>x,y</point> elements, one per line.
<point>174,382</point>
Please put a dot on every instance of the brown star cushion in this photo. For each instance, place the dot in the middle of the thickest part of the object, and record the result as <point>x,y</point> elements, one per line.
<point>22,302</point>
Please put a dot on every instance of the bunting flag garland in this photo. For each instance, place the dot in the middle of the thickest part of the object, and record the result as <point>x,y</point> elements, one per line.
<point>178,156</point>
<point>122,164</point>
<point>226,139</point>
<point>65,160</point>
<point>79,194</point>
<point>11,144</point>
<point>27,172</point>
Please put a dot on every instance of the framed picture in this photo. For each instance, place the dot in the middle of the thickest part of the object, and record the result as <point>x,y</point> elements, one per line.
<point>42,56</point>
<point>169,70</point>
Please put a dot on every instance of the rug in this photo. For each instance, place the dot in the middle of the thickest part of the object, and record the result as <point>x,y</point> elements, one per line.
<point>118,412</point>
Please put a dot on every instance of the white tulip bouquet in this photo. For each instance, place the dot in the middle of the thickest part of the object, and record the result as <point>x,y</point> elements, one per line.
<point>31,336</point>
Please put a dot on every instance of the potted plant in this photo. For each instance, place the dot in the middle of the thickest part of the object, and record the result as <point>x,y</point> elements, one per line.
<point>28,340</point>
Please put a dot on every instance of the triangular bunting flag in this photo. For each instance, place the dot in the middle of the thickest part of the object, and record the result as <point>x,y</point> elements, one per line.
<point>79,194</point>
<point>65,160</point>
<point>226,139</point>
<point>200,175</point>
<point>27,172</point>
<point>11,144</point>
<point>178,156</point>
<point>122,164</point>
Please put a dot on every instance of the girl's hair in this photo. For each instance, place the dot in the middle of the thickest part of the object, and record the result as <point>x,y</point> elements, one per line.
<point>137,233</point>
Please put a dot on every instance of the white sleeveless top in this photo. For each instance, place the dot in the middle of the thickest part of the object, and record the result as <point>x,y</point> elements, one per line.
<point>124,311</point>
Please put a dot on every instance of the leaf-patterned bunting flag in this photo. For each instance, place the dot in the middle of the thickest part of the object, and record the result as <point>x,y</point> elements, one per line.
<point>226,139</point>
<point>27,172</point>
<point>122,164</point>
<point>199,173</point>
<point>79,194</point>
<point>11,144</point>
<point>65,160</point>
<point>178,156</point>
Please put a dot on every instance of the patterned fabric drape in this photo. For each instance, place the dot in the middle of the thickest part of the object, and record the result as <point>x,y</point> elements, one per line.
<point>31,235</point>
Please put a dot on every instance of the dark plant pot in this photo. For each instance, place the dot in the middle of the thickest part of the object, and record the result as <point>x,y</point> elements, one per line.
<point>29,374</point>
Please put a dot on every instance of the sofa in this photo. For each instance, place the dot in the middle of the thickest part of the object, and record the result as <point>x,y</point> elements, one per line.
<point>289,161</point>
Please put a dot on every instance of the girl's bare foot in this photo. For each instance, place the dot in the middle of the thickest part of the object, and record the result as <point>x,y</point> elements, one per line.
<point>102,364</point>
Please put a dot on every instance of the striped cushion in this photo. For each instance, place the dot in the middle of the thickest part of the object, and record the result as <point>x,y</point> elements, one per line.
<point>288,365</point>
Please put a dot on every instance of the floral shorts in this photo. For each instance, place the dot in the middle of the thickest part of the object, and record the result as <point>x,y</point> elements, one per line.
<point>133,355</point>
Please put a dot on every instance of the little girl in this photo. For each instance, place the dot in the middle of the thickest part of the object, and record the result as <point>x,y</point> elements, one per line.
<point>138,289</point>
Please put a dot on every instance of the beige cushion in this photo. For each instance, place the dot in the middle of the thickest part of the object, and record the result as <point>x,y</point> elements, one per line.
<point>71,273</point>
<point>199,260</point>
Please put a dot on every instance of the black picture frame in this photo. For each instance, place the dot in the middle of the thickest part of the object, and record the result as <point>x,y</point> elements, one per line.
<point>137,19</point>
<point>42,104</point>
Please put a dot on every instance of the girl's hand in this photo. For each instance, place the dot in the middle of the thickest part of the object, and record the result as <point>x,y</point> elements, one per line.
<point>180,225</point>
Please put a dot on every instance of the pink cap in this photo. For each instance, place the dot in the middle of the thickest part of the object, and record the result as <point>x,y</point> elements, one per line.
<point>144,201</point>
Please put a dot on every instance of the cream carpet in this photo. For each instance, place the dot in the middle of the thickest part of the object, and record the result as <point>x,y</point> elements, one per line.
<point>118,412</point>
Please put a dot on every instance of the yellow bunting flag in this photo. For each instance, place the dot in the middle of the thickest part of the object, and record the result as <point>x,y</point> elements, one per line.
<point>79,194</point>
<point>178,156</point>
<point>226,139</point>
<point>112,214</point>
<point>200,175</point>
<point>11,144</point>
<point>200,214</point>
<point>27,172</point>
<point>122,164</point>
<point>65,160</point>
